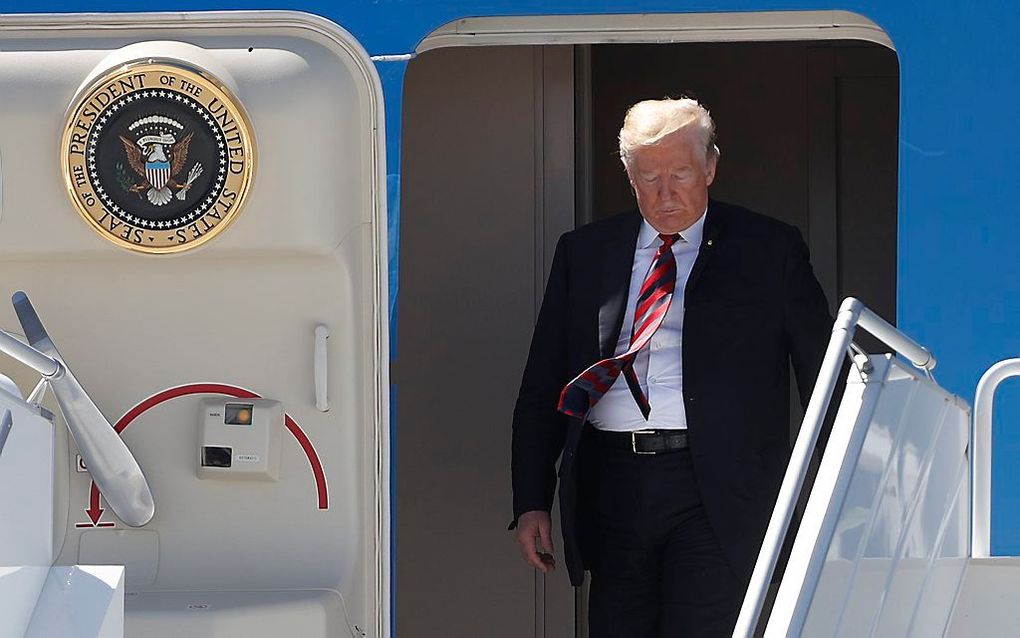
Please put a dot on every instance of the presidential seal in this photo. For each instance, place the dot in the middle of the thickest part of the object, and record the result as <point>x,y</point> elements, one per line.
<point>157,156</point>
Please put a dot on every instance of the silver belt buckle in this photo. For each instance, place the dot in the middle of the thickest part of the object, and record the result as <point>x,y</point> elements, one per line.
<point>633,441</point>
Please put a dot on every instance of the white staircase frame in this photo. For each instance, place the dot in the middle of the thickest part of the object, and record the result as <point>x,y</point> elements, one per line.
<point>981,455</point>
<point>852,314</point>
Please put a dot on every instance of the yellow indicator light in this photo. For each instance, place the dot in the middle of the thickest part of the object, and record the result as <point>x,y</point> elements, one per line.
<point>238,414</point>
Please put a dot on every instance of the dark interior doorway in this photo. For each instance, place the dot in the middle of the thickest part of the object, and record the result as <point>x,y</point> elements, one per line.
<point>808,133</point>
<point>504,148</point>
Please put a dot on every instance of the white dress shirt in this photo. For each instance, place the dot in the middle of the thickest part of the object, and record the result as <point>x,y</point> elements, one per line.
<point>659,365</point>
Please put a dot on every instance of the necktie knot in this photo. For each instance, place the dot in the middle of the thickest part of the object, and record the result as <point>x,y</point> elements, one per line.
<point>669,240</point>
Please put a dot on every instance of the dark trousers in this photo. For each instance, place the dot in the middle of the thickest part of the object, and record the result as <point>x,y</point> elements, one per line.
<point>657,570</point>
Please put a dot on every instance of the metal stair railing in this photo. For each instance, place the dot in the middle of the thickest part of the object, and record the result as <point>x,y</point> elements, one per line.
<point>981,454</point>
<point>852,314</point>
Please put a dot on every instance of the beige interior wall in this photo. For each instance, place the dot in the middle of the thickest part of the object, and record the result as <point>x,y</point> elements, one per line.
<point>479,219</point>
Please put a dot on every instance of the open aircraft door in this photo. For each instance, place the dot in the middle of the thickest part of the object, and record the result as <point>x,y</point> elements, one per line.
<point>195,204</point>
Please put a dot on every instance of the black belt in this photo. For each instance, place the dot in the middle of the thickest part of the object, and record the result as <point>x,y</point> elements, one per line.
<point>644,441</point>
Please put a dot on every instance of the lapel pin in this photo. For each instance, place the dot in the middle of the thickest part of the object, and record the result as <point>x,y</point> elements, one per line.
<point>709,242</point>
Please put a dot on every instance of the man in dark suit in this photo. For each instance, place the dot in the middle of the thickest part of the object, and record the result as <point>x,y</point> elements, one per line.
<point>658,375</point>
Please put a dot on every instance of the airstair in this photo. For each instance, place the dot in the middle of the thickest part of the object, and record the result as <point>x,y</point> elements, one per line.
<point>39,599</point>
<point>894,539</point>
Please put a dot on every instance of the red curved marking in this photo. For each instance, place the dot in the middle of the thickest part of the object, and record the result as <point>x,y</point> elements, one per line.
<point>180,391</point>
<point>230,391</point>
<point>313,458</point>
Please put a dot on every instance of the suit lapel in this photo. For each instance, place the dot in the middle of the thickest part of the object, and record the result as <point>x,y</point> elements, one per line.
<point>713,228</point>
<point>617,262</point>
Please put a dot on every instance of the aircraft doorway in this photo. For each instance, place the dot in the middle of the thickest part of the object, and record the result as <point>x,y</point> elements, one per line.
<point>505,147</point>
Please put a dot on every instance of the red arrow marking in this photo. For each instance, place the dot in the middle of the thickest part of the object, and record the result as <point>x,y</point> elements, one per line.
<point>95,512</point>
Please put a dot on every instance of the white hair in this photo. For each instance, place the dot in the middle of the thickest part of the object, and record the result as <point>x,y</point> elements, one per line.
<point>647,122</point>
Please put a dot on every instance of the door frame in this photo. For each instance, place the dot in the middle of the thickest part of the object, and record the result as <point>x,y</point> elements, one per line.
<point>771,26</point>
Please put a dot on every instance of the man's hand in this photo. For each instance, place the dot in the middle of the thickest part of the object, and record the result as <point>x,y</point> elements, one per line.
<point>534,535</point>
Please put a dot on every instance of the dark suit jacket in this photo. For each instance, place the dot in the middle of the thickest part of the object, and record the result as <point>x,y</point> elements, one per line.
<point>752,305</point>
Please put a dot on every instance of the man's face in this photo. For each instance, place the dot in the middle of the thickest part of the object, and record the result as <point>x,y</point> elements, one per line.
<point>670,180</point>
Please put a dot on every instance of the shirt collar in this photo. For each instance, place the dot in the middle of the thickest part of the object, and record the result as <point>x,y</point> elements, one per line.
<point>647,236</point>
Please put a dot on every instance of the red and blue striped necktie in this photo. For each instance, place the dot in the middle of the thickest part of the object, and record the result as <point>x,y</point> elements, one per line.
<point>580,395</point>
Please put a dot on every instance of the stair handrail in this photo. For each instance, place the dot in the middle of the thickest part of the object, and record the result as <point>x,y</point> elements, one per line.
<point>981,454</point>
<point>852,314</point>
